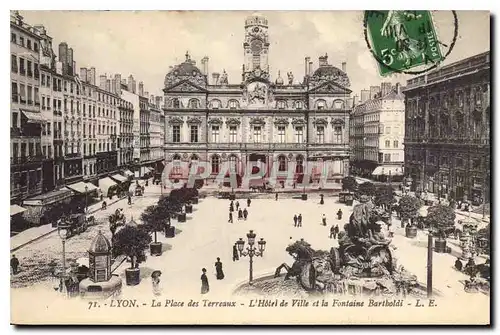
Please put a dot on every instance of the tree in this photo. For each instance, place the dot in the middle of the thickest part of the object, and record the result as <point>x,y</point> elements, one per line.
<point>385,196</point>
<point>154,219</point>
<point>367,188</point>
<point>115,221</point>
<point>408,207</point>
<point>168,206</point>
<point>441,218</point>
<point>349,184</point>
<point>131,241</point>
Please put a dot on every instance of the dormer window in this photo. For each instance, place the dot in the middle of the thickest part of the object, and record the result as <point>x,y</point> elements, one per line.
<point>299,104</point>
<point>281,104</point>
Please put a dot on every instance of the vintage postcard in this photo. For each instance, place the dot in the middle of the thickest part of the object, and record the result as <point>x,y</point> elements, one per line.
<point>250,168</point>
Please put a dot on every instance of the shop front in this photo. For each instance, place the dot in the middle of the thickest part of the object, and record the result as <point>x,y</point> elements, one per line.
<point>108,187</point>
<point>48,207</point>
<point>123,183</point>
<point>17,221</point>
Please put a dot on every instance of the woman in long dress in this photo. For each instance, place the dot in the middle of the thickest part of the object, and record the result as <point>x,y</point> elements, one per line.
<point>218,269</point>
<point>155,279</point>
<point>204,282</point>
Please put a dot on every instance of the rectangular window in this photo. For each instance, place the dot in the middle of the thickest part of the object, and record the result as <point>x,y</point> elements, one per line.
<point>387,144</point>
<point>281,134</point>
<point>257,133</point>
<point>320,132</point>
<point>15,93</point>
<point>395,157</point>
<point>13,37</point>
<point>13,63</point>
<point>395,144</point>
<point>37,97</point>
<point>21,41</point>
<point>35,46</point>
<point>387,130</point>
<point>176,134</point>
<point>22,92</point>
<point>233,134</point>
<point>22,69</point>
<point>215,134</point>
<point>43,103</point>
<point>43,79</point>
<point>30,95</point>
<point>37,72</point>
<point>387,157</point>
<point>29,67</point>
<point>14,120</point>
<point>299,134</point>
<point>28,43</point>
<point>337,134</point>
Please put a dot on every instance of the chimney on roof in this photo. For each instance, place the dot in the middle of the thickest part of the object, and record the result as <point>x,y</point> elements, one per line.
<point>365,95</point>
<point>108,85</point>
<point>374,90</point>
<point>113,86</point>
<point>306,66</point>
<point>91,76</point>
<point>344,67</point>
<point>152,99</point>
<point>323,60</point>
<point>118,80</point>
<point>158,102</point>
<point>386,88</point>
<point>102,82</point>
<point>83,74</point>
<point>215,77</point>
<point>398,88</point>
<point>141,89</point>
<point>310,68</point>
<point>355,100</point>
<point>204,68</point>
<point>130,83</point>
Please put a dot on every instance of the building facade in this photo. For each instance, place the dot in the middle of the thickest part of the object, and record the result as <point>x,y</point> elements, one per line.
<point>447,141</point>
<point>27,122</point>
<point>257,119</point>
<point>377,133</point>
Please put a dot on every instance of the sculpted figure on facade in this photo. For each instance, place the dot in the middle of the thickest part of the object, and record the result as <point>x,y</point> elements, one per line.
<point>223,78</point>
<point>290,78</point>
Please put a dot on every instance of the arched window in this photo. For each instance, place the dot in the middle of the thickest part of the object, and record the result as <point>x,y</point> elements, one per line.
<point>320,104</point>
<point>233,104</point>
<point>215,164</point>
<point>194,103</point>
<point>215,104</point>
<point>282,163</point>
<point>299,167</point>
<point>176,103</point>
<point>299,104</point>
<point>233,163</point>
<point>281,104</point>
<point>338,104</point>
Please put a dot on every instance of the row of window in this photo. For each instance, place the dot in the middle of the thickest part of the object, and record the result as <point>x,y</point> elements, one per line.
<point>395,144</point>
<point>234,104</point>
<point>24,67</point>
<point>24,149</point>
<point>23,41</point>
<point>25,94</point>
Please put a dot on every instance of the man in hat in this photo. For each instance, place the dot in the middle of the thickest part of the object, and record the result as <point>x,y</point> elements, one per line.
<point>299,220</point>
<point>14,264</point>
<point>295,218</point>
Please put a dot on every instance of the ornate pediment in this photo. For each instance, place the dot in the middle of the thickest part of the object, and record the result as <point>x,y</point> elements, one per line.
<point>215,120</point>
<point>296,121</point>
<point>177,120</point>
<point>281,121</point>
<point>330,87</point>
<point>194,120</point>
<point>185,86</point>
<point>320,121</point>
<point>233,121</point>
<point>258,120</point>
<point>338,122</point>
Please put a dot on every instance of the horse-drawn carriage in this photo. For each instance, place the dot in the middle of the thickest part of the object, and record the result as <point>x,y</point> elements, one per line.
<point>263,186</point>
<point>74,223</point>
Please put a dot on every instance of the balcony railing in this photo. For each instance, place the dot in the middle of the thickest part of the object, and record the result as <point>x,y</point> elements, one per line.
<point>26,159</point>
<point>73,155</point>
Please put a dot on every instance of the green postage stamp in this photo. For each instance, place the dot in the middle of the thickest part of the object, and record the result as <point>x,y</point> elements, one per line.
<point>401,39</point>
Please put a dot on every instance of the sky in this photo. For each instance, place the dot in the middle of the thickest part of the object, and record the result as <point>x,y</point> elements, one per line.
<point>146,43</point>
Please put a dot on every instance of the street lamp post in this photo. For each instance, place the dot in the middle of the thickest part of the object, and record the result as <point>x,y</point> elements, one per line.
<point>62,230</point>
<point>251,250</point>
<point>86,195</point>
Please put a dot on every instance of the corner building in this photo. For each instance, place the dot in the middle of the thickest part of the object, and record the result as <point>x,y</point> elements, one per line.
<point>447,136</point>
<point>209,119</point>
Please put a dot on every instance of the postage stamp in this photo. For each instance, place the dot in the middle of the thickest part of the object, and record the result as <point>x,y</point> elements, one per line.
<point>401,40</point>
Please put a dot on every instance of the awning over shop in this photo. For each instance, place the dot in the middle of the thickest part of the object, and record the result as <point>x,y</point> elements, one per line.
<point>388,170</point>
<point>119,178</point>
<point>128,173</point>
<point>80,187</point>
<point>33,117</point>
<point>105,184</point>
<point>15,209</point>
<point>148,169</point>
<point>49,197</point>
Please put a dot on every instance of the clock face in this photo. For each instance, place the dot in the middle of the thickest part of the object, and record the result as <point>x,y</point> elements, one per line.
<point>256,46</point>
<point>256,29</point>
<point>257,72</point>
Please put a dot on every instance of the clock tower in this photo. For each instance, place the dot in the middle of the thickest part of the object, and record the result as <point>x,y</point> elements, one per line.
<point>256,48</point>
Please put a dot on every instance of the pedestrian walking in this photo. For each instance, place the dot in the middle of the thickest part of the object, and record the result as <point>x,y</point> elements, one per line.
<point>339,214</point>
<point>295,220</point>
<point>204,282</point>
<point>231,207</point>
<point>391,230</point>
<point>129,199</point>
<point>230,217</point>
<point>245,214</point>
<point>324,220</point>
<point>14,264</point>
<point>240,214</point>
<point>155,280</point>
<point>299,220</point>
<point>249,202</point>
<point>236,257</point>
<point>337,231</point>
<point>218,269</point>
<point>332,232</point>
<point>276,197</point>
<point>237,205</point>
